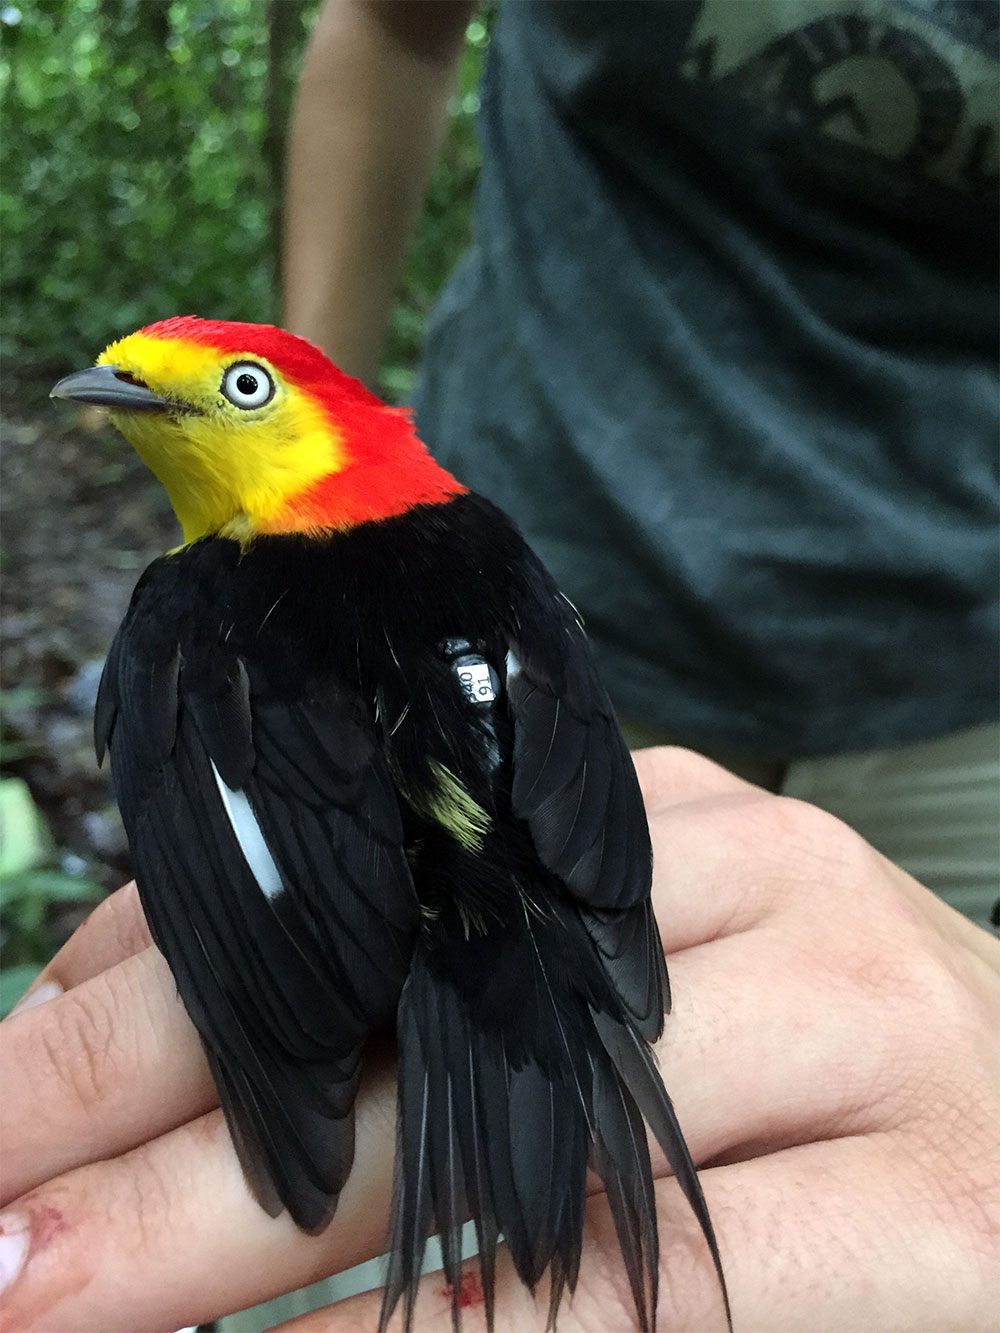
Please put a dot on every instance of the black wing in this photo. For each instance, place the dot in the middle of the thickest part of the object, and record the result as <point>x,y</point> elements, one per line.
<point>575,785</point>
<point>573,777</point>
<point>267,842</point>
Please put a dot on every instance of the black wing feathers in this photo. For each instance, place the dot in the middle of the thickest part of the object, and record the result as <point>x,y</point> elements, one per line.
<point>330,817</point>
<point>574,782</point>
<point>146,687</point>
<point>575,785</point>
<point>106,708</point>
<point>257,989</point>
<point>628,943</point>
<point>220,707</point>
<point>284,980</point>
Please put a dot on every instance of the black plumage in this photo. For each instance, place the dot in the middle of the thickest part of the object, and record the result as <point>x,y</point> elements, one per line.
<point>472,870</point>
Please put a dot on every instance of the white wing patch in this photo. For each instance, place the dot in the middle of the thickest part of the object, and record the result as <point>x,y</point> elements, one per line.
<point>250,839</point>
<point>513,665</point>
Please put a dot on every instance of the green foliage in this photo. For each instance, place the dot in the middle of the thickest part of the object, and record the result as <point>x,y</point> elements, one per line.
<point>142,165</point>
<point>14,981</point>
<point>23,843</point>
<point>11,747</point>
<point>136,181</point>
<point>32,885</point>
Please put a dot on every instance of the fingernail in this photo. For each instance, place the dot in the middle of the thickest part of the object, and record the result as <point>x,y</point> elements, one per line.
<point>48,990</point>
<point>15,1234</point>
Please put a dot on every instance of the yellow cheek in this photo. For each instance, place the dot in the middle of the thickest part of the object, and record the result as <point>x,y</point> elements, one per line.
<point>269,456</point>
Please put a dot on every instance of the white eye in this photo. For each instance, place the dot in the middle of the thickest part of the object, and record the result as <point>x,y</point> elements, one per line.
<point>247,385</point>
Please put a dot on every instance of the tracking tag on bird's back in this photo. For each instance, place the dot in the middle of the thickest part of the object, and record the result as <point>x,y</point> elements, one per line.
<point>475,675</point>
<point>476,680</point>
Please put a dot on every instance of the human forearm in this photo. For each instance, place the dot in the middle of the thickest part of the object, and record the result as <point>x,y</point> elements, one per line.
<point>370,117</point>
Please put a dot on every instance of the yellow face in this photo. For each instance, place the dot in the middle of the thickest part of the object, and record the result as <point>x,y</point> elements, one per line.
<point>240,443</point>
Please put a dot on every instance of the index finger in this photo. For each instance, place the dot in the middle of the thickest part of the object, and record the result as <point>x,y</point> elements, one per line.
<point>669,776</point>
<point>722,847</point>
<point>115,930</point>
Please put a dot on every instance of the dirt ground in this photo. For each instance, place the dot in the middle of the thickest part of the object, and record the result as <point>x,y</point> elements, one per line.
<point>81,518</point>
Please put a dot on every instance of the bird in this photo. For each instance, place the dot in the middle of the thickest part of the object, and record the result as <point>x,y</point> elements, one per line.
<point>371,782</point>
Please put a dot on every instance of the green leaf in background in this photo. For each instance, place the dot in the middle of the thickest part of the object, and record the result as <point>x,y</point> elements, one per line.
<point>23,837</point>
<point>14,981</point>
<point>29,884</point>
<point>51,886</point>
<point>142,172</point>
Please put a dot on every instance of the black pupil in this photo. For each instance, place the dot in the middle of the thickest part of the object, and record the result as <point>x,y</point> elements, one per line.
<point>247,383</point>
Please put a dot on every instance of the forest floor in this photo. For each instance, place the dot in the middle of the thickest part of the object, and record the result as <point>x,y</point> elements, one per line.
<point>81,518</point>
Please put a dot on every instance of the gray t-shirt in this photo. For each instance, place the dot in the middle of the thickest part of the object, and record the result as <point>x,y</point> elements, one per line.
<point>725,348</point>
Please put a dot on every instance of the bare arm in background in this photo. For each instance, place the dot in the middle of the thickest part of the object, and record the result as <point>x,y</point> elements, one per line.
<point>371,114</point>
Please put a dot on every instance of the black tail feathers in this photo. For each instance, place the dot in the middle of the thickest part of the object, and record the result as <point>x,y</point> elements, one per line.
<point>491,1129</point>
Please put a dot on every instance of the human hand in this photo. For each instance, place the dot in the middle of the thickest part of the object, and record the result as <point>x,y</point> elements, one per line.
<point>832,1054</point>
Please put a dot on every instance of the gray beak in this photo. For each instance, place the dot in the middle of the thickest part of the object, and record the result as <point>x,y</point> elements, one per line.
<point>109,387</point>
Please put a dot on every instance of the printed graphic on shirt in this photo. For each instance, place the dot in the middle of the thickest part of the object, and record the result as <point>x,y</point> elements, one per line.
<point>914,82</point>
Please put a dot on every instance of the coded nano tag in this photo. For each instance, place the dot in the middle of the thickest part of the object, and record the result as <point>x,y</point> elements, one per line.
<point>475,675</point>
<point>475,678</point>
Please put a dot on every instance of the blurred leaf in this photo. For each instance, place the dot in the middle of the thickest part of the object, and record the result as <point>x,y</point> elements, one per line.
<point>14,981</point>
<point>30,888</point>
<point>47,886</point>
<point>397,382</point>
<point>141,173</point>
<point>23,838</point>
<point>20,697</point>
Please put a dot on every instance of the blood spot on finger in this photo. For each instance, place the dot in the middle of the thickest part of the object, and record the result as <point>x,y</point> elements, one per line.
<point>470,1292</point>
<point>46,1224</point>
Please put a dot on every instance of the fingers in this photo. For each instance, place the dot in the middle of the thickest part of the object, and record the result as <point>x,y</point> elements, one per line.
<point>806,994</point>
<point>670,775</point>
<point>178,1212</point>
<point>750,1060</point>
<point>116,929</point>
<point>699,815</point>
<point>177,1209</point>
<point>115,1061</point>
<point>831,1237</point>
<point>733,856</point>
<point>111,1063</point>
<point>726,854</point>
<point>779,1039</point>
<point>843,1009</point>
